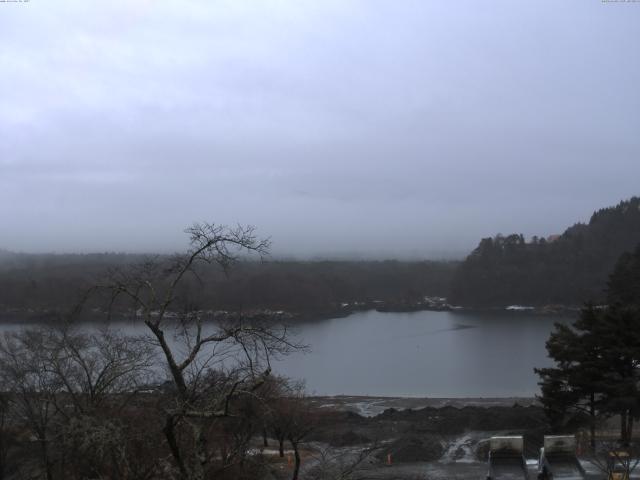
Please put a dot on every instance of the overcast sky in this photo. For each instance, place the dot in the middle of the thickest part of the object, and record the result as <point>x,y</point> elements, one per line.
<point>371,128</point>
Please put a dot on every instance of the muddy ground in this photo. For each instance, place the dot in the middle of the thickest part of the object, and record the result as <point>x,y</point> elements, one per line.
<point>411,438</point>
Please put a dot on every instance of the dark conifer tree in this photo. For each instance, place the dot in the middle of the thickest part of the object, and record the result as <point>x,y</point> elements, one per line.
<point>574,388</point>
<point>598,358</point>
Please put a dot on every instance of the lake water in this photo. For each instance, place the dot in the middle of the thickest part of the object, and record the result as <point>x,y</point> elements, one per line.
<point>430,354</point>
<point>421,354</point>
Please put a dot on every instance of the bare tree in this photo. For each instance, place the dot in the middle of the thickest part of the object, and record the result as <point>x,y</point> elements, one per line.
<point>98,366</point>
<point>5,438</point>
<point>32,387</point>
<point>270,394</point>
<point>100,373</point>
<point>72,387</point>
<point>342,464</point>
<point>300,423</point>
<point>291,418</point>
<point>616,460</point>
<point>276,412</point>
<point>238,349</point>
<point>62,383</point>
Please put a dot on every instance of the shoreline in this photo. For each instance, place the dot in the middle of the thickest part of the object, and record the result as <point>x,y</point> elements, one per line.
<point>35,315</point>
<point>369,406</point>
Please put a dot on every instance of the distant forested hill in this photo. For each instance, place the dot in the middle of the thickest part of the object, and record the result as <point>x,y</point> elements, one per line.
<point>53,282</point>
<point>570,269</point>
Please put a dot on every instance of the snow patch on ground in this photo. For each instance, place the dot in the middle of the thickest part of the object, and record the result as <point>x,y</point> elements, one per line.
<point>519,308</point>
<point>460,450</point>
<point>369,408</point>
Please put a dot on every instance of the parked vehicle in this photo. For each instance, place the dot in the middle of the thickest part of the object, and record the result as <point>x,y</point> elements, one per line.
<point>506,460</point>
<point>558,459</point>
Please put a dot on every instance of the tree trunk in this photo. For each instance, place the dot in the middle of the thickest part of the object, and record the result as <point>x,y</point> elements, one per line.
<point>592,426</point>
<point>200,452</point>
<point>44,450</point>
<point>2,455</point>
<point>629,427</point>
<point>265,442</point>
<point>41,434</point>
<point>169,434</point>
<point>623,428</point>
<point>296,455</point>
<point>281,445</point>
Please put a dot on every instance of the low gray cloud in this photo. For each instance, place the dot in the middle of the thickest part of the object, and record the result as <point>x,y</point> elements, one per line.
<point>368,128</point>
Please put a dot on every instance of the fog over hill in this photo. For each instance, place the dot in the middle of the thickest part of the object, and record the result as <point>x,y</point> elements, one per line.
<point>571,268</point>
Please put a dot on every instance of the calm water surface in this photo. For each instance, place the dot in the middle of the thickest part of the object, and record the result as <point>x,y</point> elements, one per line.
<point>425,354</point>
<point>435,354</point>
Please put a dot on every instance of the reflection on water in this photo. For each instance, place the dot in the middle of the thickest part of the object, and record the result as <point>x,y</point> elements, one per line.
<point>435,354</point>
<point>427,354</point>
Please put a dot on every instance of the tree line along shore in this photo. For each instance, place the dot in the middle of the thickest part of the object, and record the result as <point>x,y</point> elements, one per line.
<point>551,275</point>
